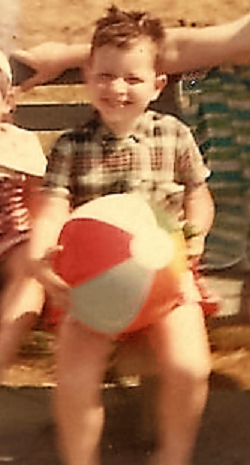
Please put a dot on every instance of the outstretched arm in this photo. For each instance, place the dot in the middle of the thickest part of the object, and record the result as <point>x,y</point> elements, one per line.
<point>195,48</point>
<point>50,59</point>
<point>187,49</point>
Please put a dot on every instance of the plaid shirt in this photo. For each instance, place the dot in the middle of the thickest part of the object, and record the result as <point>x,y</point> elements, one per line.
<point>156,158</point>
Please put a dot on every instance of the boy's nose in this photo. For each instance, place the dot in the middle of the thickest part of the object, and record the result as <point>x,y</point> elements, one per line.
<point>119,85</point>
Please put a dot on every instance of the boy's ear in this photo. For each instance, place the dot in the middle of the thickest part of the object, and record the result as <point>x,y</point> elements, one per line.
<point>160,82</point>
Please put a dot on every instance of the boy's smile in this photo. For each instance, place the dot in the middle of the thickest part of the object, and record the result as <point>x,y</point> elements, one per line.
<point>122,82</point>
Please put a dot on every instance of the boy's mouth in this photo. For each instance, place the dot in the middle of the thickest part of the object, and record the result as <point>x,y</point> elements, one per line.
<point>117,104</point>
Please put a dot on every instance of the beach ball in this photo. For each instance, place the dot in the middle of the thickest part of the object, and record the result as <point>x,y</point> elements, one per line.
<point>122,266</point>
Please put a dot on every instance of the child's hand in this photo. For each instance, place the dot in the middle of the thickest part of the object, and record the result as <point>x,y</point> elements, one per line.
<point>56,288</point>
<point>195,242</point>
<point>195,246</point>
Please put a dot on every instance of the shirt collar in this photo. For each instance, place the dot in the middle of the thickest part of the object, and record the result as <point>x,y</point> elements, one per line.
<point>107,138</point>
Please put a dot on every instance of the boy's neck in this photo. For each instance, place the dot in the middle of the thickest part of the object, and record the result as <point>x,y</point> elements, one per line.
<point>120,133</point>
<point>123,130</point>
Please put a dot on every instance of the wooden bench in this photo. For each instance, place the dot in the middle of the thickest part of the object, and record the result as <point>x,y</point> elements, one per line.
<point>63,103</point>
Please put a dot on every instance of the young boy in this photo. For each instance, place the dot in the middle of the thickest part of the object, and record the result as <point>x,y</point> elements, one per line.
<point>22,165</point>
<point>125,73</point>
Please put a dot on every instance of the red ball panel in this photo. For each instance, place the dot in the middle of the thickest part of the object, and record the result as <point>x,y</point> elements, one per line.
<point>90,247</point>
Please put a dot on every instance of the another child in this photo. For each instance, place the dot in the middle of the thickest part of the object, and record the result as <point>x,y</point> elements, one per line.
<point>22,165</point>
<point>123,140</point>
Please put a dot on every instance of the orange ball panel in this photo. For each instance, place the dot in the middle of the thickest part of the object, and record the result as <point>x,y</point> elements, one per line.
<point>165,292</point>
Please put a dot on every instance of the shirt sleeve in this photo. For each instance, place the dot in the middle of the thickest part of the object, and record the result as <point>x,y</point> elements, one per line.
<point>190,168</point>
<point>57,178</point>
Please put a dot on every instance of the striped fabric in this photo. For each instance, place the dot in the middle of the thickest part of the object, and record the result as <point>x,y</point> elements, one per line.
<point>14,215</point>
<point>220,118</point>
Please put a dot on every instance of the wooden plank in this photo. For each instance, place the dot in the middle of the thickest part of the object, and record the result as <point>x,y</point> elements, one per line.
<point>51,116</point>
<point>59,116</point>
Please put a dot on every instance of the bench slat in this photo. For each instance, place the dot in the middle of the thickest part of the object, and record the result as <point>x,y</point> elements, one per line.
<point>51,116</point>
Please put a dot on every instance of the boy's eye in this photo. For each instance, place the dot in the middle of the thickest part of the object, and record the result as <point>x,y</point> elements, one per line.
<point>133,80</point>
<point>106,77</point>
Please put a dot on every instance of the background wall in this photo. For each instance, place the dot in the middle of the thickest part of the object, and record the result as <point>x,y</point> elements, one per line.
<point>24,23</point>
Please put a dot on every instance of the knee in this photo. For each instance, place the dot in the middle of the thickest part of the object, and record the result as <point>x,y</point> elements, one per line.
<point>199,372</point>
<point>78,385</point>
<point>187,367</point>
<point>194,371</point>
<point>81,358</point>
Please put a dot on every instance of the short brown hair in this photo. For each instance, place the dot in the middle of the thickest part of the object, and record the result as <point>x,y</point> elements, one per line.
<point>121,29</point>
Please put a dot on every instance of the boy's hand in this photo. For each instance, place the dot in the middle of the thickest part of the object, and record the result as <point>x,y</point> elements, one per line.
<point>56,288</point>
<point>195,246</point>
<point>195,242</point>
<point>195,249</point>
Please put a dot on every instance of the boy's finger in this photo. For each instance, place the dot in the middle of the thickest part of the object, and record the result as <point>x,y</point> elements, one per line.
<point>51,252</point>
<point>61,301</point>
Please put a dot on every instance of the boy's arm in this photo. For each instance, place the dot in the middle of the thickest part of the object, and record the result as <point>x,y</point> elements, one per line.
<point>199,214</point>
<point>46,228</point>
<point>187,49</point>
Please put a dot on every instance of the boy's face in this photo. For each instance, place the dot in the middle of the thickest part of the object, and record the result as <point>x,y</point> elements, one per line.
<point>122,83</point>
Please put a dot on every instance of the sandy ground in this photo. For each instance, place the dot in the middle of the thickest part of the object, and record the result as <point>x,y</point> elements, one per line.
<point>24,23</point>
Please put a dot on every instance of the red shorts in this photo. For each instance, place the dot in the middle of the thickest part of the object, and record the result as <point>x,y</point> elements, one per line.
<point>195,290</point>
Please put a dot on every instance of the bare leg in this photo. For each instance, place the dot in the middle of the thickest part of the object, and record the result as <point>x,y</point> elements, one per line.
<point>181,346</point>
<point>78,407</point>
<point>21,301</point>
